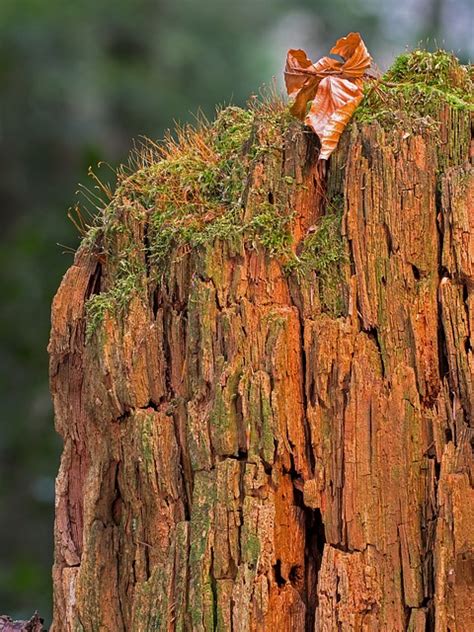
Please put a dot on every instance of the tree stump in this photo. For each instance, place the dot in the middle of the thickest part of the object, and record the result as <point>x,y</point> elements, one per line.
<point>262,370</point>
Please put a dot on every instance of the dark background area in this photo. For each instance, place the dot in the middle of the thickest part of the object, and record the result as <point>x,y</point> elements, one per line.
<point>78,81</point>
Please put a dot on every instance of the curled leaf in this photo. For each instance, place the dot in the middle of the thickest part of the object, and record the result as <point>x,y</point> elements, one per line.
<point>334,104</point>
<point>333,86</point>
<point>301,81</point>
<point>298,67</point>
<point>353,50</point>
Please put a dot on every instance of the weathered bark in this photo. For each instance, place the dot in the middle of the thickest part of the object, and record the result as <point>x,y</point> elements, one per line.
<point>237,457</point>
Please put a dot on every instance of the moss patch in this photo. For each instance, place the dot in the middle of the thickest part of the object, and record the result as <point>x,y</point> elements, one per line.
<point>189,192</point>
<point>225,181</point>
<point>127,283</point>
<point>323,252</point>
<point>191,188</point>
<point>418,85</point>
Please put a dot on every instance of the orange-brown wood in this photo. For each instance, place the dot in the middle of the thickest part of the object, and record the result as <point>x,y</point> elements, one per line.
<point>236,458</point>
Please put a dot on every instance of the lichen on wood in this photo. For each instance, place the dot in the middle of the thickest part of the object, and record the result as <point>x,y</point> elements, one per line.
<point>262,371</point>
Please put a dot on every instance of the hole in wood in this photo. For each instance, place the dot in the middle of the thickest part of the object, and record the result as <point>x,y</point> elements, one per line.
<point>280,580</point>
<point>416,272</point>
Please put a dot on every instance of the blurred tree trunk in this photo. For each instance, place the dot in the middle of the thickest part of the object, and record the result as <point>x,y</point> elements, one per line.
<point>236,457</point>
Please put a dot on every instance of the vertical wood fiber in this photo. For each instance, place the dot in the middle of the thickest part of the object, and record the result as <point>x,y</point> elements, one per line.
<point>236,458</point>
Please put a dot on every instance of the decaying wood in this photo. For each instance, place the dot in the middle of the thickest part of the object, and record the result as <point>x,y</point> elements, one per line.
<point>235,458</point>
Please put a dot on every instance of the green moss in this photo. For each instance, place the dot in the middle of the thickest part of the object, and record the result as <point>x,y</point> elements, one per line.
<point>201,593</point>
<point>189,193</point>
<point>233,128</point>
<point>271,226</point>
<point>261,420</point>
<point>195,193</point>
<point>201,186</point>
<point>439,68</point>
<point>267,430</point>
<point>323,253</point>
<point>224,416</point>
<point>417,85</point>
<point>127,283</point>
<point>251,549</point>
<point>147,442</point>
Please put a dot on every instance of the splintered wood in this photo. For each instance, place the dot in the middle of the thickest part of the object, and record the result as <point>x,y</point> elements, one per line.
<point>238,458</point>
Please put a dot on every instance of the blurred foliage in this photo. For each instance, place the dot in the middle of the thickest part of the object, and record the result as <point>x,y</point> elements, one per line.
<point>78,81</point>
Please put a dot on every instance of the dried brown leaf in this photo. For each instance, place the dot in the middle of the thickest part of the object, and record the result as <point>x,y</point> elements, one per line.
<point>334,87</point>
<point>332,108</point>
<point>297,71</point>
<point>353,50</point>
<point>302,78</point>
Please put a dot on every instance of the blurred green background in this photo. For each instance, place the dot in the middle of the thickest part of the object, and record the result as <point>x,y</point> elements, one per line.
<point>79,79</point>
